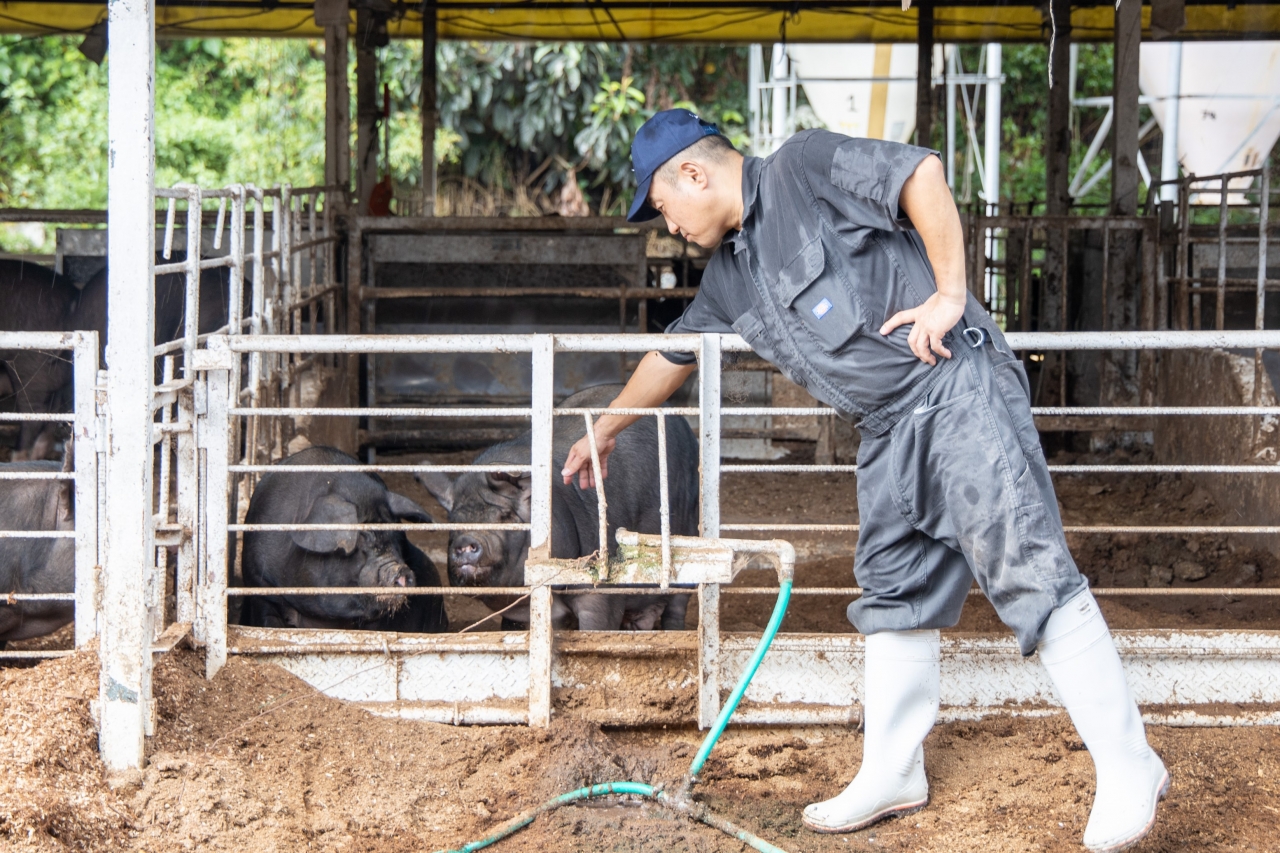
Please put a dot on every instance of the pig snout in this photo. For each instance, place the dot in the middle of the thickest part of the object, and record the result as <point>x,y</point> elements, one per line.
<point>388,571</point>
<point>470,561</point>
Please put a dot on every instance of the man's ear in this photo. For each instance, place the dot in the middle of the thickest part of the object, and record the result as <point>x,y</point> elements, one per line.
<point>693,172</point>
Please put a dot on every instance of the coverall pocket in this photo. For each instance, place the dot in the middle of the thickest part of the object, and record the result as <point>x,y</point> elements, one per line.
<point>1015,395</point>
<point>825,305</point>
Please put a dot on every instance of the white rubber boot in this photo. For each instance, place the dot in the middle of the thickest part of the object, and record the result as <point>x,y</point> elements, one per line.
<point>1082,661</point>
<point>899,708</point>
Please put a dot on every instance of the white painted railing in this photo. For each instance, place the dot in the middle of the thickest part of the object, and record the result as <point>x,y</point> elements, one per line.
<point>84,442</point>
<point>508,677</point>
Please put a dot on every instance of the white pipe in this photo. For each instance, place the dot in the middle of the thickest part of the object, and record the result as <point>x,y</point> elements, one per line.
<point>991,146</point>
<point>950,75</point>
<point>778,114</point>
<point>125,682</point>
<point>1169,154</point>
<point>1036,341</point>
<point>991,152</point>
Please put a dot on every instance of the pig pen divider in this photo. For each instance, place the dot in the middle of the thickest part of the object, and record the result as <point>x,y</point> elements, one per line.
<point>86,451</point>
<point>509,677</point>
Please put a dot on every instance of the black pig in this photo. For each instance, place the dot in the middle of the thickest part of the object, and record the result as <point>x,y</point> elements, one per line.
<point>336,557</point>
<point>496,558</point>
<point>35,565</point>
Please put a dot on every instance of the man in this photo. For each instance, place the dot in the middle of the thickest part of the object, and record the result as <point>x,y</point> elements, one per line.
<point>842,262</point>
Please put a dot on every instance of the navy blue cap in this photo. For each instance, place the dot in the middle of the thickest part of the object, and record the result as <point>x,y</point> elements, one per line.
<point>657,141</point>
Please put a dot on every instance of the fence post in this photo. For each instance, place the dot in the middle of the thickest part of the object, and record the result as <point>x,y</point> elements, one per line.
<point>540,628</point>
<point>709,594</point>
<point>85,447</point>
<point>213,451</point>
<point>125,679</point>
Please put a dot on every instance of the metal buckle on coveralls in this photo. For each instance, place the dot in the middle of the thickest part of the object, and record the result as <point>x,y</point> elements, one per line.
<point>977,339</point>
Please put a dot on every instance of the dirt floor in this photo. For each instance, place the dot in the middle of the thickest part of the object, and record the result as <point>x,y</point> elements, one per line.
<point>256,760</point>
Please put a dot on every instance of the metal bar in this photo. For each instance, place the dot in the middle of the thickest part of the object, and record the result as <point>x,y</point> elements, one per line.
<point>541,439</point>
<point>1223,215</point>
<point>619,293</point>
<point>1199,530</point>
<point>37,475</point>
<point>1110,592</point>
<point>650,411</point>
<point>664,502</point>
<point>85,449</point>
<point>41,340</point>
<point>257,592</point>
<point>513,468</point>
<point>1091,411</point>
<point>213,516</point>
<point>709,594</point>
<point>1047,341</point>
<point>440,412</point>
<point>602,506</point>
<point>541,638</point>
<point>404,525</point>
<point>12,597</point>
<point>788,469</point>
<point>191,312</point>
<point>125,682</point>
<point>1259,315</point>
<point>510,591</point>
<point>185,604</point>
<point>38,417</point>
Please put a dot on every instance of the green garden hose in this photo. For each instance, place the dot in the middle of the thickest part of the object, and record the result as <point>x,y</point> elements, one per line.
<point>682,802</point>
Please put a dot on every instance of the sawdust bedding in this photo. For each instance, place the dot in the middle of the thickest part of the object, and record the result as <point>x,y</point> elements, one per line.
<point>256,760</point>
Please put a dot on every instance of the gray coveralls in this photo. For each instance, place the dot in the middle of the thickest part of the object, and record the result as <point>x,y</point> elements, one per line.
<point>952,482</point>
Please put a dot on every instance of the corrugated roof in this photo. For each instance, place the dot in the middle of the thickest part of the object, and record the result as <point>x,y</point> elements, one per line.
<point>645,20</point>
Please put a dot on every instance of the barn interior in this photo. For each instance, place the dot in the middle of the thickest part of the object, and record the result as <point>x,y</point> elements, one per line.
<point>413,337</point>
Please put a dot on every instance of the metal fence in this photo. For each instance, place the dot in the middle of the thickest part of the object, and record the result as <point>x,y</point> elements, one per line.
<point>282,259</point>
<point>84,442</point>
<point>512,677</point>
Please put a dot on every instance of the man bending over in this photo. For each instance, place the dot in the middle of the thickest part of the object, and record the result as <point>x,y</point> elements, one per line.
<point>841,261</point>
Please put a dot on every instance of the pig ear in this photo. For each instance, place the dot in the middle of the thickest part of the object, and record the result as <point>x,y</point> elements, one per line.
<point>406,510</point>
<point>518,487</point>
<point>508,484</point>
<point>330,509</point>
<point>440,486</point>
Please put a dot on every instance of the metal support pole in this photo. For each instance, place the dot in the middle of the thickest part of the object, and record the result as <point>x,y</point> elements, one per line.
<point>1124,135</point>
<point>125,681</point>
<point>924,73</point>
<point>540,627</point>
<point>1260,308</point>
<point>337,105</point>
<point>709,594</point>
<point>991,152</point>
<point>86,448</point>
<point>215,456</point>
<point>950,75</point>
<point>430,111</point>
<point>1172,111</point>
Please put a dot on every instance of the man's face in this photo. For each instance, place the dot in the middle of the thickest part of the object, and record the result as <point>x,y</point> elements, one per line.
<point>689,206</point>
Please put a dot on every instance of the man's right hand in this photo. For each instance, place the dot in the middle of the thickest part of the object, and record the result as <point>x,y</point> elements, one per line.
<point>579,461</point>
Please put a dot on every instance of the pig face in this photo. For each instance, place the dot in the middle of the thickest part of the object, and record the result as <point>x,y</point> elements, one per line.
<point>357,557</point>
<point>484,557</point>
